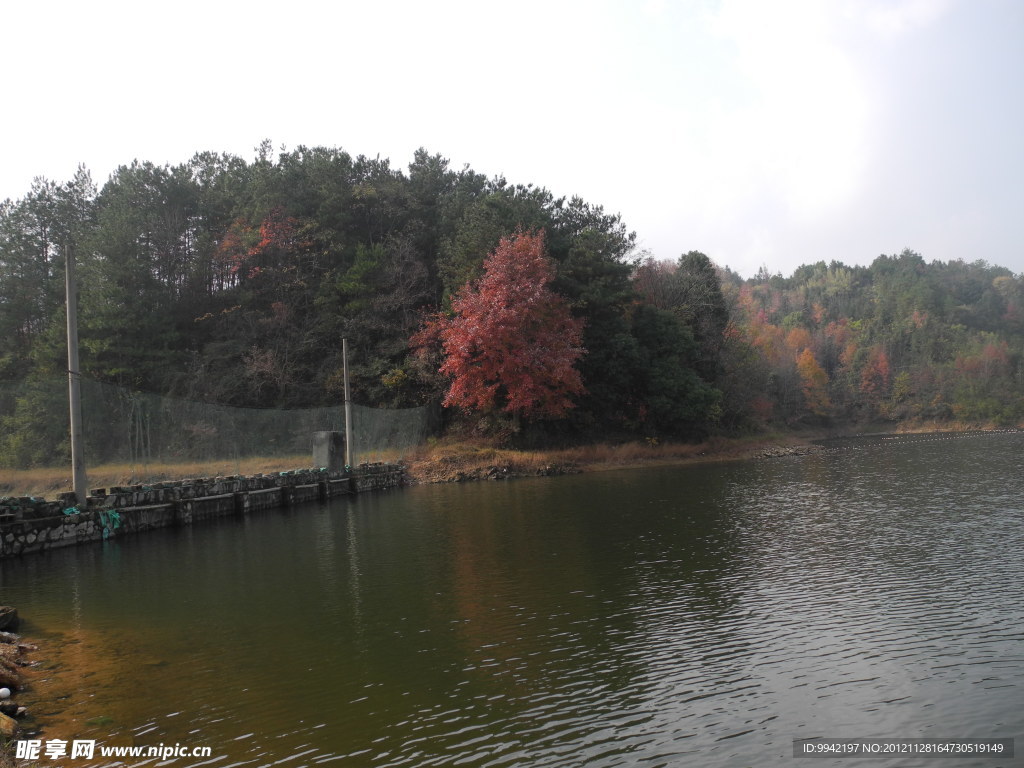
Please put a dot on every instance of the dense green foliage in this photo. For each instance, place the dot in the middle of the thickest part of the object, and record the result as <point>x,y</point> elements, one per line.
<point>234,282</point>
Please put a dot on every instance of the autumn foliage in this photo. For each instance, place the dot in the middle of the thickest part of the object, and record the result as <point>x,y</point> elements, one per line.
<point>235,282</point>
<point>243,245</point>
<point>510,343</point>
<point>814,382</point>
<point>876,375</point>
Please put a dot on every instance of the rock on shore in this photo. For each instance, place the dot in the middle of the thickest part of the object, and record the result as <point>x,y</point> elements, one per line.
<point>11,664</point>
<point>8,618</point>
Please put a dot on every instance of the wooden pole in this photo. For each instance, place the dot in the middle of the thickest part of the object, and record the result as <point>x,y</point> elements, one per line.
<point>74,384</point>
<point>349,453</point>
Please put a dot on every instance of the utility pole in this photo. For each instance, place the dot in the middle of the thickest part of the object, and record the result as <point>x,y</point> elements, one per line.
<point>74,383</point>
<point>348,405</point>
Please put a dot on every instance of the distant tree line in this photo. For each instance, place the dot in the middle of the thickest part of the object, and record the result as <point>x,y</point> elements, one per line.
<point>234,281</point>
<point>900,340</point>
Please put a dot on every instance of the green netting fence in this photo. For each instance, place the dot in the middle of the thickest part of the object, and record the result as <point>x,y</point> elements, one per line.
<point>147,431</point>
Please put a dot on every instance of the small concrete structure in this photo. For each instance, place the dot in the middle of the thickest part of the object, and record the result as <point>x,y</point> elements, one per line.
<point>329,451</point>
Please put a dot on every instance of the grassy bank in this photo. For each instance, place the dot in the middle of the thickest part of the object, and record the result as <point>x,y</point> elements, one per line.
<point>47,482</point>
<point>444,460</point>
<point>450,459</point>
<point>7,755</point>
<point>454,460</point>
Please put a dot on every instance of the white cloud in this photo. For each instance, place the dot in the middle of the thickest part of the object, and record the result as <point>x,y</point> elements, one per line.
<point>758,132</point>
<point>891,18</point>
<point>801,133</point>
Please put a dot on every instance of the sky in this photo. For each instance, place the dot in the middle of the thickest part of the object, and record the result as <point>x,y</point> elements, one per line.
<point>765,134</point>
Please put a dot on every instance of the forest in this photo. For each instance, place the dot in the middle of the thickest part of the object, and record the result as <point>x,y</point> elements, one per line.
<point>532,318</point>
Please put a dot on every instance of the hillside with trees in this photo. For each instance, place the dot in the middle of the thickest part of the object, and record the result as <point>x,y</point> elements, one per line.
<point>531,317</point>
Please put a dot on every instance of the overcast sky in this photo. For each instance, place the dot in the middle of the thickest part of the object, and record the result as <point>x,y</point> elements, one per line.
<point>762,133</point>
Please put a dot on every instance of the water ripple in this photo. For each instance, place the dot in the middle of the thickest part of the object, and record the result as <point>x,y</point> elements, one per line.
<point>701,615</point>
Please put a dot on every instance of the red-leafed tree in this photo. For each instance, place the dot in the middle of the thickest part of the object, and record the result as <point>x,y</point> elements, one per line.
<point>876,375</point>
<point>244,247</point>
<point>511,343</point>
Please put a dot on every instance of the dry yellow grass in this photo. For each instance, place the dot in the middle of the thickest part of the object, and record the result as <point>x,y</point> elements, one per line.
<point>49,481</point>
<point>927,427</point>
<point>449,459</point>
<point>7,759</point>
<point>443,460</point>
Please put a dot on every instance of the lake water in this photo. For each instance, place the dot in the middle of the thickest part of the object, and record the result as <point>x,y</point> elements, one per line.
<point>703,615</point>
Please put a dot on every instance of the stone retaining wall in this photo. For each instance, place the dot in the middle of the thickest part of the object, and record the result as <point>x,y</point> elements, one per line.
<point>32,525</point>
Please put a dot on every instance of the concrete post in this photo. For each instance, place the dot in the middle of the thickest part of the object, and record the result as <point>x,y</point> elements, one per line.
<point>74,385</point>
<point>349,453</point>
<point>329,451</point>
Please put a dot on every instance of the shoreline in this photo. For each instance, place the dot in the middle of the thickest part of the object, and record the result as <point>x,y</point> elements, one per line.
<point>463,464</point>
<point>455,461</point>
<point>449,459</point>
<point>13,681</point>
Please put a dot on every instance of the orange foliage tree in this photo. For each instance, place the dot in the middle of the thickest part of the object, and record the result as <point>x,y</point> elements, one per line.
<point>814,382</point>
<point>876,376</point>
